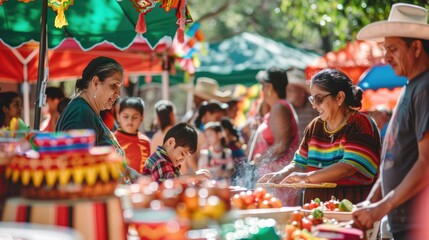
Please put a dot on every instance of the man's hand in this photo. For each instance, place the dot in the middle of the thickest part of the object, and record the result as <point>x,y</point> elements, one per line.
<point>366,215</point>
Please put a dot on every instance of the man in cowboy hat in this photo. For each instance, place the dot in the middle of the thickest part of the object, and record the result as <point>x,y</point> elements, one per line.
<point>405,154</point>
<point>205,89</point>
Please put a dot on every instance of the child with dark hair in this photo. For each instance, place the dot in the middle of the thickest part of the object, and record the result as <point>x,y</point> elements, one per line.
<point>179,143</point>
<point>10,107</point>
<point>217,156</point>
<point>53,97</point>
<point>63,104</point>
<point>135,144</point>
<point>165,117</point>
<point>210,111</point>
<point>237,153</point>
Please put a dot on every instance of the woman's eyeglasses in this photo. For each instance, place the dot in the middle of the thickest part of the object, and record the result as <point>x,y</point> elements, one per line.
<point>317,99</point>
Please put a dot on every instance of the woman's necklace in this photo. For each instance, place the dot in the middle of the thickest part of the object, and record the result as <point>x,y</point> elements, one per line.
<point>344,122</point>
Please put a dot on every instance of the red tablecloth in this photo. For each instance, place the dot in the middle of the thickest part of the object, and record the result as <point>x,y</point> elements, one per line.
<point>99,219</point>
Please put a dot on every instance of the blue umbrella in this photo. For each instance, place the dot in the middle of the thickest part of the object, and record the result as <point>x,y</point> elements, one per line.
<point>381,76</point>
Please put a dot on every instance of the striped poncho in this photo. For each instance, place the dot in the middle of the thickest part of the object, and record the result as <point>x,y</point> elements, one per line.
<point>357,144</point>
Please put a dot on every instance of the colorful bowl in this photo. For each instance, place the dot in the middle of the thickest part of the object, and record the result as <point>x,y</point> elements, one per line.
<point>63,142</point>
<point>161,224</point>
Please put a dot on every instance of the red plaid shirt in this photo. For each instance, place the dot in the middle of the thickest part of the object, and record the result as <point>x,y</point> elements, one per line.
<point>160,167</point>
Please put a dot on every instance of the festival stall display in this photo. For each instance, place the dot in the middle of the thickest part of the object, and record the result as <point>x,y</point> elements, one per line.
<point>27,231</point>
<point>64,166</point>
<point>64,180</point>
<point>185,202</point>
<point>11,143</point>
<point>186,207</point>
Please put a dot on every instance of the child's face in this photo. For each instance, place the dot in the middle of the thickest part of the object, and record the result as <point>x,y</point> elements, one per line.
<point>177,155</point>
<point>212,137</point>
<point>52,104</point>
<point>212,117</point>
<point>14,109</point>
<point>129,120</point>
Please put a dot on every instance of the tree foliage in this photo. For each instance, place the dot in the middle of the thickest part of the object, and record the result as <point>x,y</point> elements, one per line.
<point>313,24</point>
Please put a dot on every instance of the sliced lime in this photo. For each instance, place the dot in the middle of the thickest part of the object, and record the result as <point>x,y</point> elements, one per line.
<point>345,205</point>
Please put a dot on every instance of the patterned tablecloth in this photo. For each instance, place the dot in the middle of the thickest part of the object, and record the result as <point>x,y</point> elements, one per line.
<point>30,231</point>
<point>98,219</point>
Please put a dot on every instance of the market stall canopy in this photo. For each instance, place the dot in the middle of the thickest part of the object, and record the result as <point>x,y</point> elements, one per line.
<point>238,59</point>
<point>90,22</point>
<point>381,97</point>
<point>381,76</point>
<point>381,86</point>
<point>68,60</point>
<point>354,59</point>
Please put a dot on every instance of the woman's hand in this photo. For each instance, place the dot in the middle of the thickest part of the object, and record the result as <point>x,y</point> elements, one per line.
<point>296,177</point>
<point>131,174</point>
<point>272,178</point>
<point>203,174</point>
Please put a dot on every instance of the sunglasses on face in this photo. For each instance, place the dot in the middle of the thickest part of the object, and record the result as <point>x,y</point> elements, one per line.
<point>317,99</point>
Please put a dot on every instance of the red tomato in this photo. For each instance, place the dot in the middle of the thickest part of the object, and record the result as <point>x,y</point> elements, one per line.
<point>267,196</point>
<point>252,206</point>
<point>312,205</point>
<point>249,198</point>
<point>306,224</point>
<point>331,205</point>
<point>259,192</point>
<point>264,204</point>
<point>316,221</point>
<point>317,204</point>
<point>237,201</point>
<point>296,224</point>
<point>297,216</point>
<point>275,203</point>
<point>306,206</point>
<point>289,230</point>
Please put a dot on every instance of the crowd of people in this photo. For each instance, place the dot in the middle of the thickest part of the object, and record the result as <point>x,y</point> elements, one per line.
<point>301,133</point>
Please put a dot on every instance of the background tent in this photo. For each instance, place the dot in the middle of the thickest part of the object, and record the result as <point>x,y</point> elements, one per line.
<point>383,96</point>
<point>20,65</point>
<point>381,87</point>
<point>68,60</point>
<point>89,22</point>
<point>354,59</point>
<point>238,59</point>
<point>381,76</point>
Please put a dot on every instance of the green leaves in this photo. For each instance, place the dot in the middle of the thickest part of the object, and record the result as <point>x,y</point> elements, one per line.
<point>316,24</point>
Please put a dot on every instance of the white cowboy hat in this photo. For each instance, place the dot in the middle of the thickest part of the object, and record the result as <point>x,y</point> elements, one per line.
<point>405,20</point>
<point>207,89</point>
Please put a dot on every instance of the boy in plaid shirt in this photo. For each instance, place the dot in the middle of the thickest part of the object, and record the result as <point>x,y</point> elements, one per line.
<point>179,143</point>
